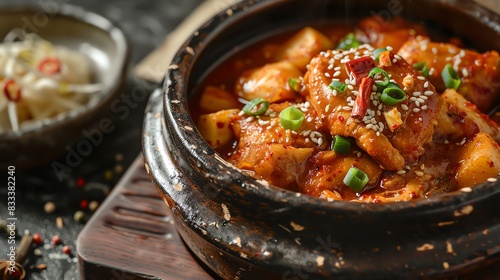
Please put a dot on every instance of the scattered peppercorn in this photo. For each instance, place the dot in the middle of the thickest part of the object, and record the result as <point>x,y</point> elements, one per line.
<point>49,207</point>
<point>56,240</point>
<point>79,216</point>
<point>93,205</point>
<point>84,204</point>
<point>66,250</point>
<point>37,238</point>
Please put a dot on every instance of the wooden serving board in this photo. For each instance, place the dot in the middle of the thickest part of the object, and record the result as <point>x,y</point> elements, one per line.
<point>132,236</point>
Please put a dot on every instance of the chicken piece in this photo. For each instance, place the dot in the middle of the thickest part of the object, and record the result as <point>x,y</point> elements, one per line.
<point>390,149</point>
<point>278,164</point>
<point>303,46</point>
<point>478,161</point>
<point>272,152</point>
<point>459,118</point>
<point>266,129</point>
<point>326,172</point>
<point>381,33</point>
<point>479,73</point>
<point>270,82</point>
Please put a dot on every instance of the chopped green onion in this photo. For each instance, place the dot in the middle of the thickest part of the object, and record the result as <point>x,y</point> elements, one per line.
<point>392,96</point>
<point>336,85</point>
<point>356,179</point>
<point>348,42</point>
<point>422,68</point>
<point>375,74</point>
<point>255,107</point>
<point>291,118</point>
<point>341,145</point>
<point>450,77</point>
<point>294,84</point>
<point>377,52</point>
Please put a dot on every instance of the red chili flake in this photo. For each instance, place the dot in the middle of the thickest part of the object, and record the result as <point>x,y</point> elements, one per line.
<point>12,90</point>
<point>84,204</point>
<point>37,238</point>
<point>56,240</point>
<point>66,250</point>
<point>360,67</point>
<point>49,66</point>
<point>341,118</point>
<point>80,182</point>
<point>363,99</point>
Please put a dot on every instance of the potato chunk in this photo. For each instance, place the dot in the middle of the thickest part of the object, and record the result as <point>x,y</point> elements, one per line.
<point>269,82</point>
<point>459,118</point>
<point>215,99</point>
<point>216,127</point>
<point>478,161</point>
<point>303,46</point>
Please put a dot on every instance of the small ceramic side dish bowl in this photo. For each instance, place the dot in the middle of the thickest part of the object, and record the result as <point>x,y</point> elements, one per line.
<point>76,40</point>
<point>243,228</point>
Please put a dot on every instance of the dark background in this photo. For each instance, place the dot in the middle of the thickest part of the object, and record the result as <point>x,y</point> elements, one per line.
<point>146,23</point>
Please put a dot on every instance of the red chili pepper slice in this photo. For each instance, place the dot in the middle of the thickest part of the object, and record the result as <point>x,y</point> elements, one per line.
<point>49,66</point>
<point>363,99</point>
<point>360,67</point>
<point>12,90</point>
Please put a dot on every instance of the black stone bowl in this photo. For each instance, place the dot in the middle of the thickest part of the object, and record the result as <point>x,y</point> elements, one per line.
<point>242,228</point>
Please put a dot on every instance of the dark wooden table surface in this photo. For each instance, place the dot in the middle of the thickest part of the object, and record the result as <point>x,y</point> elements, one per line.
<point>146,23</point>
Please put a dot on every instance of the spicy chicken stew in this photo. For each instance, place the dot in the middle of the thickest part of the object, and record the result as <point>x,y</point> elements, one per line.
<point>373,113</point>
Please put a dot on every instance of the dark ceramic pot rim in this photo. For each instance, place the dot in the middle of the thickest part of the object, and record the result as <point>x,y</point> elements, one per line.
<point>177,112</point>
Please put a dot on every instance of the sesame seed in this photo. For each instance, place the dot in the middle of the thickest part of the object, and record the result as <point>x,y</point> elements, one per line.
<point>394,60</point>
<point>426,84</point>
<point>424,107</point>
<point>327,74</point>
<point>417,103</point>
<point>434,50</point>
<point>462,53</point>
<point>423,97</point>
<point>337,68</point>
<point>419,173</point>
<point>416,93</point>
<point>416,110</point>
<point>249,119</point>
<point>389,48</point>
<point>492,180</point>
<point>369,126</point>
<point>336,74</point>
<point>378,133</point>
<point>327,108</point>
<point>347,108</point>
<point>422,167</point>
<point>452,51</point>
<point>422,78</point>
<point>420,100</point>
<point>477,62</point>
<point>404,107</point>
<point>428,93</point>
<point>320,141</point>
<point>431,71</point>
<point>330,67</point>
<point>350,87</point>
<point>413,99</point>
<point>465,72</point>
<point>401,172</point>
